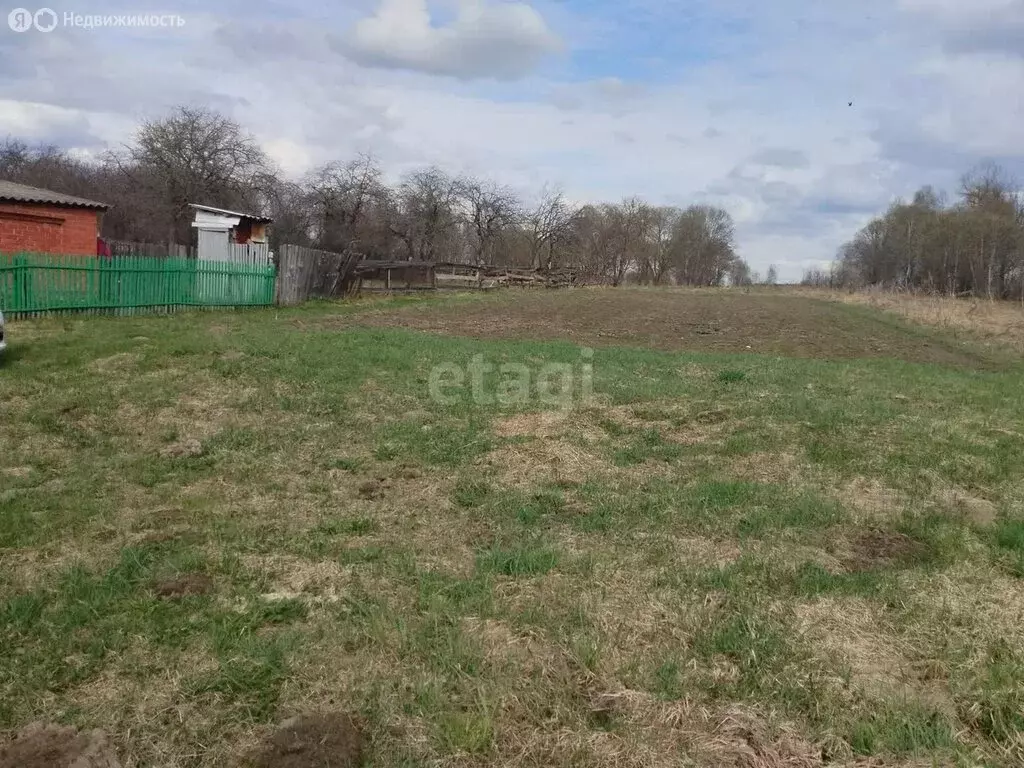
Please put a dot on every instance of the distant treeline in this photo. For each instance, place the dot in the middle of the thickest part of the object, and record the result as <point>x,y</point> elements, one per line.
<point>972,246</point>
<point>199,156</point>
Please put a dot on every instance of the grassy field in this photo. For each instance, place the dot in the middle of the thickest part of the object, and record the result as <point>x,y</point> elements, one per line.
<point>779,532</point>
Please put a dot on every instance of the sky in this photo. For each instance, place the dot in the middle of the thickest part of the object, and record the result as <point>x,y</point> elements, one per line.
<point>803,118</point>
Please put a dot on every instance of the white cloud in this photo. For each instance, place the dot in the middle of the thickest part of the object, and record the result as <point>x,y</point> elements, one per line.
<point>290,156</point>
<point>781,157</point>
<point>486,39</point>
<point>74,129</point>
<point>957,11</point>
<point>984,109</point>
<point>975,26</point>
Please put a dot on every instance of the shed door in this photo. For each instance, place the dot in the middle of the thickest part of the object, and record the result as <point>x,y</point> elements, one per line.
<point>214,245</point>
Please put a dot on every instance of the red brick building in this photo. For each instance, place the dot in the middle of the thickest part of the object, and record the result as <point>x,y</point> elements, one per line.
<point>41,221</point>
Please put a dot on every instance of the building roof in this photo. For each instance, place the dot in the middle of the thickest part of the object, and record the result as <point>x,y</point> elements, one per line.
<point>19,193</point>
<point>250,216</point>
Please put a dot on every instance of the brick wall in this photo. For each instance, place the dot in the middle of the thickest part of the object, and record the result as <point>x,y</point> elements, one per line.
<point>48,229</point>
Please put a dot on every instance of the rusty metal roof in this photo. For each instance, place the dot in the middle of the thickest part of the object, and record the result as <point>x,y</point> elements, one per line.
<point>19,193</point>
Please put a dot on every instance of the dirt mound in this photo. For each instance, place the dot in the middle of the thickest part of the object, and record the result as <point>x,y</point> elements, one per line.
<point>42,745</point>
<point>186,585</point>
<point>373,490</point>
<point>880,549</point>
<point>314,741</point>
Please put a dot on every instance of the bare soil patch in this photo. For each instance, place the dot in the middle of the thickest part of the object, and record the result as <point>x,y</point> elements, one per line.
<point>371,490</point>
<point>673,320</point>
<point>42,745</point>
<point>876,548</point>
<point>186,585</point>
<point>314,741</point>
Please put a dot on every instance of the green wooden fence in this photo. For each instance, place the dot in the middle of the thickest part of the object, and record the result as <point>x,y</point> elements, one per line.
<point>32,283</point>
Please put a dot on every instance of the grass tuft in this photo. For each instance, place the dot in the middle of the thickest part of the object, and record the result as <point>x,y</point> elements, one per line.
<point>731,376</point>
<point>522,561</point>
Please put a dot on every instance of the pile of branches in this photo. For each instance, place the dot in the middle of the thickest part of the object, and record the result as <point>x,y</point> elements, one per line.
<point>490,276</point>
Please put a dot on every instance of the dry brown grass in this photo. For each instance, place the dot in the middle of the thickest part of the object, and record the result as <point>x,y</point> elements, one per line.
<point>569,447</point>
<point>871,500</point>
<point>154,720</point>
<point>764,467</point>
<point>855,633</point>
<point>550,447</point>
<point>116,365</point>
<point>999,322</point>
<point>977,510</point>
<point>734,736</point>
<point>978,603</point>
<point>543,462</point>
<point>545,424</point>
<point>291,577</point>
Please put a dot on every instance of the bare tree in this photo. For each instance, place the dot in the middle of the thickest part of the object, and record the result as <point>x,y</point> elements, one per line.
<point>816,277</point>
<point>49,167</point>
<point>289,208</point>
<point>548,225</point>
<point>632,221</point>
<point>975,246</point>
<point>740,274</point>
<point>425,216</point>
<point>772,277</point>
<point>703,245</point>
<point>342,200</point>
<point>194,156</point>
<point>491,210</point>
<point>662,224</point>
<point>595,242</point>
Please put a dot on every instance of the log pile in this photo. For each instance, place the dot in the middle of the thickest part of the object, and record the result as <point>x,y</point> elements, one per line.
<point>470,275</point>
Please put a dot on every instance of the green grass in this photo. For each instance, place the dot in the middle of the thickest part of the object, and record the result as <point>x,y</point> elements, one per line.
<point>520,561</point>
<point>647,446</point>
<point>902,731</point>
<point>471,493</point>
<point>731,376</point>
<point>691,537</point>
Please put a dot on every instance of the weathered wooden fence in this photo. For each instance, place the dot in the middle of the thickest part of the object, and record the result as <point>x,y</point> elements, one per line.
<point>459,276</point>
<point>306,273</point>
<point>32,284</point>
<point>375,275</point>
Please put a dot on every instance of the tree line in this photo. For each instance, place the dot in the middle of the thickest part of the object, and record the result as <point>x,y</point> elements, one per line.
<point>199,156</point>
<point>973,245</point>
